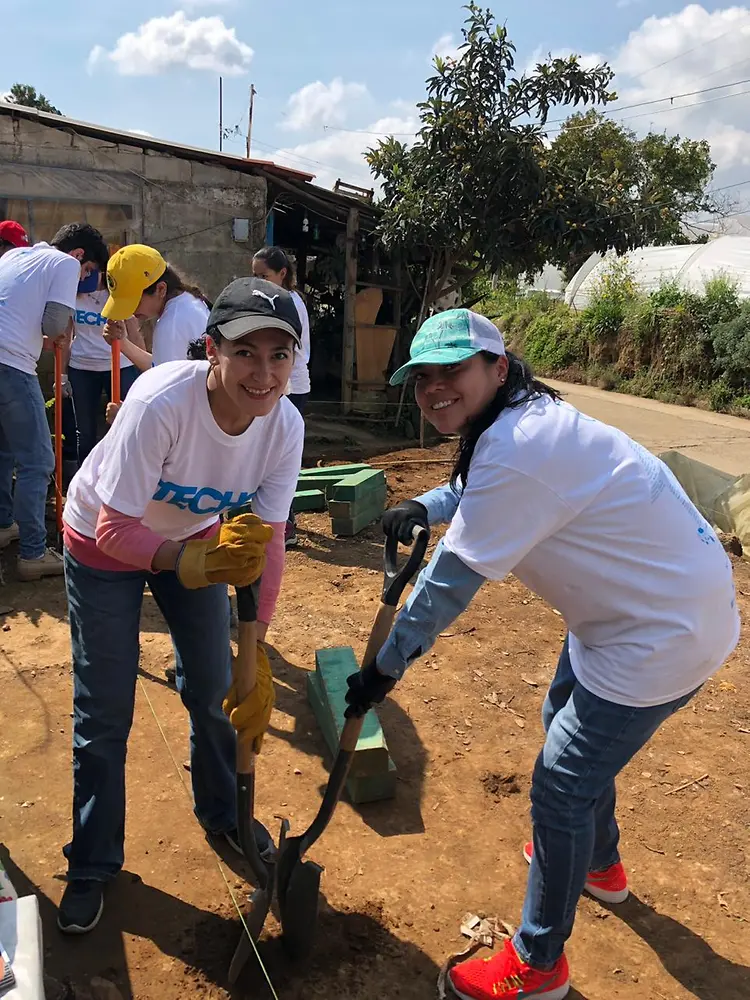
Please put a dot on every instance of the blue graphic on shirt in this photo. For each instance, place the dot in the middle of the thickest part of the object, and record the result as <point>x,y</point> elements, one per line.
<point>205,500</point>
<point>89,318</point>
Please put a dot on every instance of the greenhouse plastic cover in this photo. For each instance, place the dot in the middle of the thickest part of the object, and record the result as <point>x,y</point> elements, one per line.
<point>689,266</point>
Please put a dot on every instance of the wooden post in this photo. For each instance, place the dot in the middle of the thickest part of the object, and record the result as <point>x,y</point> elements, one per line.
<point>350,322</point>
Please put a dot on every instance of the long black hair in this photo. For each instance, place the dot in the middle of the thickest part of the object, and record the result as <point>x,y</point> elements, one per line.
<point>176,284</point>
<point>519,387</point>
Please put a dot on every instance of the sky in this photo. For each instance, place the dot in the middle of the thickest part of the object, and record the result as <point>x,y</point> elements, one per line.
<point>332,77</point>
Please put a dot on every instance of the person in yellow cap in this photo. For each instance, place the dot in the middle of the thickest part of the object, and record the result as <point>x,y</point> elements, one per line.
<point>143,285</point>
<point>194,440</point>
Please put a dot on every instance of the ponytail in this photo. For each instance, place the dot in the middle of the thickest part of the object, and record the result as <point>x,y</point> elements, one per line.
<point>176,285</point>
<point>519,387</point>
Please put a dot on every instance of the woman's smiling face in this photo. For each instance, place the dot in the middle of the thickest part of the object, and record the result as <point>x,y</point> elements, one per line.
<point>451,396</point>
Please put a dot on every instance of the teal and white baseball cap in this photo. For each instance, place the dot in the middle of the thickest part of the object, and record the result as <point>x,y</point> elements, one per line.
<point>448,337</point>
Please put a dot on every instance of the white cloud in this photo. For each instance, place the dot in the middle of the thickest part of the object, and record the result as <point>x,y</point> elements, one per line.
<point>322,104</point>
<point>446,47</point>
<point>341,154</point>
<point>163,43</point>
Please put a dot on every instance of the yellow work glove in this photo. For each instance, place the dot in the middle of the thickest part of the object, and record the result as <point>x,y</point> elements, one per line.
<point>252,716</point>
<point>236,554</point>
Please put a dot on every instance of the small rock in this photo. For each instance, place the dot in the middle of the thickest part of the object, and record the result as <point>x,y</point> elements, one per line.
<point>103,989</point>
<point>297,771</point>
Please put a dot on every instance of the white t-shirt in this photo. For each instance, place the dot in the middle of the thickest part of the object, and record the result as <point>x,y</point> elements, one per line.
<point>601,529</point>
<point>183,320</point>
<point>30,277</point>
<point>90,352</point>
<point>167,462</point>
<point>299,380</point>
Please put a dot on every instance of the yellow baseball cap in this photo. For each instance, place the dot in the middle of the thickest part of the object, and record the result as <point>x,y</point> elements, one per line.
<point>130,272</point>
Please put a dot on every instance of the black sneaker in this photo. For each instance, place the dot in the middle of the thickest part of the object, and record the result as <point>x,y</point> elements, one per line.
<point>290,535</point>
<point>266,847</point>
<point>81,906</point>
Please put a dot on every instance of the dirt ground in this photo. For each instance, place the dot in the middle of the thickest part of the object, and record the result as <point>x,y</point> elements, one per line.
<point>463,728</point>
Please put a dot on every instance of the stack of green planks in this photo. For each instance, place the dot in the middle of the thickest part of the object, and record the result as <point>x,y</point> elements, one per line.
<point>373,774</point>
<point>355,495</point>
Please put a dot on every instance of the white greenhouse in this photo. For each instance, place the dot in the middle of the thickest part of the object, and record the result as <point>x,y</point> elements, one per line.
<point>690,266</point>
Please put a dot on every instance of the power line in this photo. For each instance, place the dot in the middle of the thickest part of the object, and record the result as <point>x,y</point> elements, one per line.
<point>700,45</point>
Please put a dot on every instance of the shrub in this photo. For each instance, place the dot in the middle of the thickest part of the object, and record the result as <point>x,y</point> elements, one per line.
<point>554,341</point>
<point>731,344</point>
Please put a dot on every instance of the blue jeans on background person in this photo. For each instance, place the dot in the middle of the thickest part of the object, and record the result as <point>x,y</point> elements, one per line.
<point>26,446</point>
<point>105,609</point>
<point>589,741</point>
<point>87,395</point>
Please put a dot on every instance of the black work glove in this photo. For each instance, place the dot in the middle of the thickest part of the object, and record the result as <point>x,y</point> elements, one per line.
<point>400,521</point>
<point>367,687</point>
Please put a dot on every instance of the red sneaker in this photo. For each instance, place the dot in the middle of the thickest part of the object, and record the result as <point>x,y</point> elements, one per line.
<point>505,977</point>
<point>609,886</point>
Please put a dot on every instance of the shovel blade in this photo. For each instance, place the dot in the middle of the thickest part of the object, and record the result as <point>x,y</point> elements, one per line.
<point>298,908</point>
<point>255,917</point>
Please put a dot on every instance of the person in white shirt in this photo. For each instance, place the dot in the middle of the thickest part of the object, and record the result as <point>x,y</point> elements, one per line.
<point>599,528</point>
<point>273,264</point>
<point>90,362</point>
<point>38,287</point>
<point>193,441</point>
<point>143,285</point>
<point>12,236</point>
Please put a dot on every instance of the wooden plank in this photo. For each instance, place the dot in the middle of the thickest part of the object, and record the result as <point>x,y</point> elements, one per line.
<point>350,294</point>
<point>352,508</point>
<point>308,500</point>
<point>332,667</point>
<point>346,527</point>
<point>357,486</point>
<point>332,470</point>
<point>359,788</point>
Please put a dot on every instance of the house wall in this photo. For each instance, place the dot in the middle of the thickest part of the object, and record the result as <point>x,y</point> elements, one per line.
<point>182,207</point>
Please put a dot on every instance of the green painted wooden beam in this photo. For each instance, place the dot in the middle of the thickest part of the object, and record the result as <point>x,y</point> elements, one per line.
<point>308,500</point>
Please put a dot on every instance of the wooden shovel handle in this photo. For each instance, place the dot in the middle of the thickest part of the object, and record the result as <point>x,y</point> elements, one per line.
<point>115,393</point>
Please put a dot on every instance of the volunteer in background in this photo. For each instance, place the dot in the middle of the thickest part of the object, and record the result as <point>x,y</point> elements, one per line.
<point>273,264</point>
<point>142,284</point>
<point>12,236</point>
<point>599,528</point>
<point>193,440</point>
<point>90,365</point>
<point>38,287</point>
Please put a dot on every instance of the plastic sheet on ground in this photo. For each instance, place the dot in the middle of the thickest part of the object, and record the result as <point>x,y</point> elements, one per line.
<point>723,499</point>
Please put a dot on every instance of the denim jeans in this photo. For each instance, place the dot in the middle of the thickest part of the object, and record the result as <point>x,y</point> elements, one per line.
<point>87,394</point>
<point>105,610</point>
<point>589,741</point>
<point>26,446</point>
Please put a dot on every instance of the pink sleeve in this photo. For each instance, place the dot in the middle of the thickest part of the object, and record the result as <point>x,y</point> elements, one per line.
<point>270,584</point>
<point>126,539</point>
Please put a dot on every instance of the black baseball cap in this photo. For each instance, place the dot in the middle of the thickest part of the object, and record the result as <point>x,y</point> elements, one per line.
<point>250,304</point>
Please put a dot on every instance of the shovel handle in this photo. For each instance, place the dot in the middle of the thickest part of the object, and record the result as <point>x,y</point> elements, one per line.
<point>115,392</point>
<point>245,667</point>
<point>395,579</point>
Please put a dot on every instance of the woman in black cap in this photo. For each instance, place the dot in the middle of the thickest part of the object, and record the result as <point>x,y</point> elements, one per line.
<point>193,440</point>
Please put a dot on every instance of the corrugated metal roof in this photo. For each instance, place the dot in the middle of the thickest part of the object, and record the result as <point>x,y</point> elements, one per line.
<point>228,160</point>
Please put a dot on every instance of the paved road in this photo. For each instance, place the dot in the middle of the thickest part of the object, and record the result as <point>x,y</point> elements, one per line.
<point>714,438</point>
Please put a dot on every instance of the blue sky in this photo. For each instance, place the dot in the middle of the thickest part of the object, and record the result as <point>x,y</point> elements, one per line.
<point>154,67</point>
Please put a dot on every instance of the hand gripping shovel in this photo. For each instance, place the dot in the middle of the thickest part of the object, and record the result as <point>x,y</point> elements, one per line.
<point>245,668</point>
<point>298,881</point>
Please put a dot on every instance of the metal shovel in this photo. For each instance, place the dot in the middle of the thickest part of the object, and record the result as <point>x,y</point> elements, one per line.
<point>298,881</point>
<point>245,671</point>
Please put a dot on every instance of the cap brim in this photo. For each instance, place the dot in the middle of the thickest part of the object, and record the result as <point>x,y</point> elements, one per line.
<point>120,308</point>
<point>237,328</point>
<point>440,356</point>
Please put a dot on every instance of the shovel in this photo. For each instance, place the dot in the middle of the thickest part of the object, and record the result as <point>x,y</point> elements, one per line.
<point>245,668</point>
<point>298,881</point>
<point>115,387</point>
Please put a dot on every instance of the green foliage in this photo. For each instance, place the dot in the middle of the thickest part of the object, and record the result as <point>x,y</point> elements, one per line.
<point>554,341</point>
<point>22,93</point>
<point>731,343</point>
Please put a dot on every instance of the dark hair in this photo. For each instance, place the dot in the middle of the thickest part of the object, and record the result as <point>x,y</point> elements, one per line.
<point>4,245</point>
<point>276,260</point>
<point>82,236</point>
<point>519,387</point>
<point>176,285</point>
<point>197,348</point>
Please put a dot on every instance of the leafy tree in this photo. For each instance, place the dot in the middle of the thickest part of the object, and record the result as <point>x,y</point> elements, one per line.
<point>22,93</point>
<point>482,188</point>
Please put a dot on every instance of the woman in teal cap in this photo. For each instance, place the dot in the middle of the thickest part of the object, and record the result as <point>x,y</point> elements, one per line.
<point>599,528</point>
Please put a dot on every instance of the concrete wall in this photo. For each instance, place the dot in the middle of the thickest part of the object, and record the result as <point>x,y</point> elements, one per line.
<point>183,208</point>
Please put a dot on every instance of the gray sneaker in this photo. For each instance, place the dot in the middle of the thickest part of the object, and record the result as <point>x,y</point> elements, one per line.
<point>8,535</point>
<point>50,564</point>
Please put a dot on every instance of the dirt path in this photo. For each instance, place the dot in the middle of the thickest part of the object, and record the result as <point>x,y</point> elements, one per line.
<point>399,875</point>
<point>715,438</point>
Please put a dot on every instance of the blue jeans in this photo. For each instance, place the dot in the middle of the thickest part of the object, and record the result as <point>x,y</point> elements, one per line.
<point>87,395</point>
<point>589,741</point>
<point>105,610</point>
<point>26,446</point>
